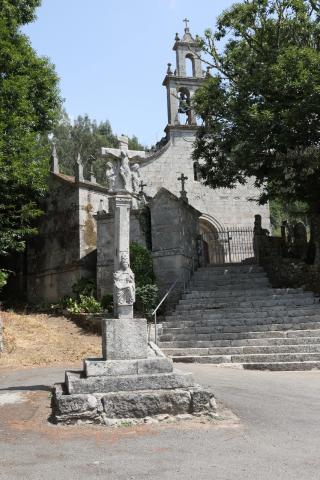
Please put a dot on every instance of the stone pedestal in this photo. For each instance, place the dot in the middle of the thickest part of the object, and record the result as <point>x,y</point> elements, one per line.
<point>124,339</point>
<point>132,381</point>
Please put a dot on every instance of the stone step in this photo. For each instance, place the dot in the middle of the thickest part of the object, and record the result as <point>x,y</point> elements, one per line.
<point>189,317</point>
<point>275,300</point>
<point>248,359</point>
<point>199,284</point>
<point>227,288</point>
<point>231,268</point>
<point>272,366</point>
<point>262,292</point>
<point>215,334</point>
<point>77,384</point>
<point>245,336</point>
<point>214,324</point>
<point>255,350</point>
<point>203,276</point>
<point>246,342</point>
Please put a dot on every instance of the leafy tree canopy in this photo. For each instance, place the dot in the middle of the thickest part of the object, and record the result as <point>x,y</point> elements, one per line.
<point>29,105</point>
<point>85,136</point>
<point>261,106</point>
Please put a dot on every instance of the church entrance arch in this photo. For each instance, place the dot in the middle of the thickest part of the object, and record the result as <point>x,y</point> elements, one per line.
<point>212,248</point>
<point>220,245</point>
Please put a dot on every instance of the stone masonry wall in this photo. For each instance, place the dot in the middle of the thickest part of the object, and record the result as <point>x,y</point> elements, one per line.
<point>225,207</point>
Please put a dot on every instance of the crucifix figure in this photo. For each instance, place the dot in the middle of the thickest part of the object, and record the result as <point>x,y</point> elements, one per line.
<point>122,159</point>
<point>186,21</point>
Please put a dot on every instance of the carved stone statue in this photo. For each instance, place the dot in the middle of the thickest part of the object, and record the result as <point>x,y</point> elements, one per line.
<point>125,171</point>
<point>124,284</point>
<point>136,178</point>
<point>110,176</point>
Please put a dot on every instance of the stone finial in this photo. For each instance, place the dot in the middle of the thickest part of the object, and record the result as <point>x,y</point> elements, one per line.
<point>123,143</point>
<point>177,38</point>
<point>54,167</point>
<point>79,169</point>
<point>169,71</point>
<point>208,74</point>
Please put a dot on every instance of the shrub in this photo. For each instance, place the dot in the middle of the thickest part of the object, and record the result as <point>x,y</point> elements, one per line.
<point>84,286</point>
<point>147,298</point>
<point>85,304</point>
<point>141,264</point>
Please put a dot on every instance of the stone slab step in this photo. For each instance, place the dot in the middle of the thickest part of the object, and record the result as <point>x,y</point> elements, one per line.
<point>242,312</point>
<point>249,359</point>
<point>77,384</point>
<point>246,342</point>
<point>202,276</point>
<point>254,350</point>
<point>231,268</point>
<point>273,366</point>
<point>220,331</point>
<point>235,336</point>
<point>294,300</point>
<point>193,325</point>
<point>261,292</point>
<point>208,283</point>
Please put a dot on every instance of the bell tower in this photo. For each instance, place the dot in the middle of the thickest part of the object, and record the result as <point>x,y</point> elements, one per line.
<point>182,83</point>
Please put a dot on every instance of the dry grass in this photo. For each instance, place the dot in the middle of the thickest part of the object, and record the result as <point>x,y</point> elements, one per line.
<point>43,340</point>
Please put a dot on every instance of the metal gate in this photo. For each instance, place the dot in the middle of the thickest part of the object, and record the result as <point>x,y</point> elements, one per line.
<point>231,245</point>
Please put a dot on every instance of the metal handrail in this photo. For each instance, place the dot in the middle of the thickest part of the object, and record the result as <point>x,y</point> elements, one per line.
<point>157,308</point>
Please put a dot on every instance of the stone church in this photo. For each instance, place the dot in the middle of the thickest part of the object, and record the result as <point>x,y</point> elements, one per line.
<point>181,221</point>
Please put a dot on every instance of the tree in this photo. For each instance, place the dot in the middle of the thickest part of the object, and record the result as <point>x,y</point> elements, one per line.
<point>85,136</point>
<point>261,106</point>
<point>29,105</point>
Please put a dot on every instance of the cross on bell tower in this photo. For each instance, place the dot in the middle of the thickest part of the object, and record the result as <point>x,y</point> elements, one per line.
<point>182,84</point>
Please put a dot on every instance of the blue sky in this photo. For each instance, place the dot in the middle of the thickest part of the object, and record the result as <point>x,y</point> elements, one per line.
<point>111,55</point>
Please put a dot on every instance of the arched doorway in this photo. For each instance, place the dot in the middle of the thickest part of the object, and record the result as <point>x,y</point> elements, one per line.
<point>213,251</point>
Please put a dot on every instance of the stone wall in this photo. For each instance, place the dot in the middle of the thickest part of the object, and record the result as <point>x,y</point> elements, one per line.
<point>175,229</point>
<point>223,207</point>
<point>65,249</point>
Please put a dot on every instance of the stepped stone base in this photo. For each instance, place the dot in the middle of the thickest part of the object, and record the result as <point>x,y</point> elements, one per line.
<point>112,389</point>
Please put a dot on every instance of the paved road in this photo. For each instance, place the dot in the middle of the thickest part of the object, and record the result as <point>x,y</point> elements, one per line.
<point>278,436</point>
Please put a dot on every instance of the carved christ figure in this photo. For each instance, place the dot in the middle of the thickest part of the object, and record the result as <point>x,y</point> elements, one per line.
<point>125,172</point>
<point>124,283</point>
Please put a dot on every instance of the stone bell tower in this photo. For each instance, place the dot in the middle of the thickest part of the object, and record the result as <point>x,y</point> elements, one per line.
<point>183,82</point>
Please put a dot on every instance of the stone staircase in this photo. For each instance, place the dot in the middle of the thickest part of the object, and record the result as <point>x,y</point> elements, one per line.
<point>231,315</point>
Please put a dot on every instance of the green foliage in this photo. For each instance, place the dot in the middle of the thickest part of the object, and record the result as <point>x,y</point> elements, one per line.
<point>85,136</point>
<point>3,278</point>
<point>141,265</point>
<point>293,213</point>
<point>107,302</point>
<point>84,286</point>
<point>147,298</point>
<point>29,105</point>
<point>85,304</point>
<point>261,107</point>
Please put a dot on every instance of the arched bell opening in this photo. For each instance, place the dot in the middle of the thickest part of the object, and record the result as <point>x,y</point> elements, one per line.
<point>190,65</point>
<point>184,110</point>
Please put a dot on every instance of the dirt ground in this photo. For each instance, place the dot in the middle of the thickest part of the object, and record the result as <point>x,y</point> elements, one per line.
<point>43,340</point>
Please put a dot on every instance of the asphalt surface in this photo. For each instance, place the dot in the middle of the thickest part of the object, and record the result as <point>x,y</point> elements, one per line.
<point>276,436</point>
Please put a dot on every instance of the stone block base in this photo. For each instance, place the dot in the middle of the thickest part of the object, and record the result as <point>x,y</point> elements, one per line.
<point>105,408</point>
<point>109,391</point>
